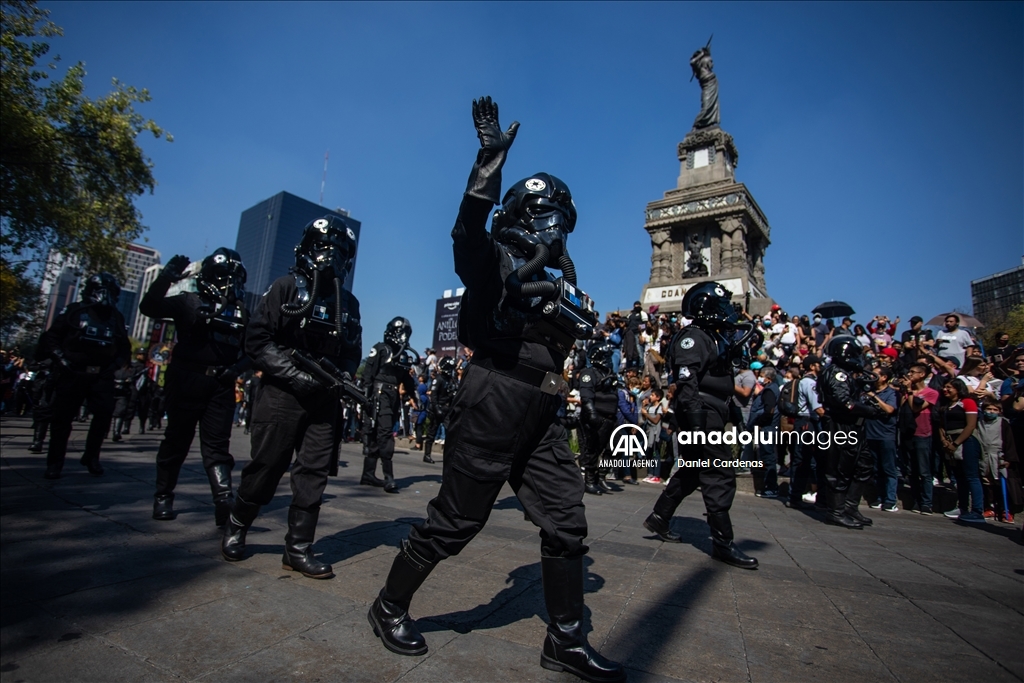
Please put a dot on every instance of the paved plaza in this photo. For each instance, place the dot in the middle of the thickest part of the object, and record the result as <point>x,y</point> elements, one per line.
<point>93,589</point>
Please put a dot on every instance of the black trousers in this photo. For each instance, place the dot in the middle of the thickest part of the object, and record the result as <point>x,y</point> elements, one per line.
<point>435,418</point>
<point>846,463</point>
<point>282,426</point>
<point>70,391</point>
<point>594,442</point>
<point>805,458</point>
<point>501,429</point>
<point>382,439</point>
<point>194,399</point>
<point>717,484</point>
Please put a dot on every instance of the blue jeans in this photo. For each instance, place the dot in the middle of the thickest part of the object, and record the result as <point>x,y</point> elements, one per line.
<point>884,453</point>
<point>968,478</point>
<point>921,470</point>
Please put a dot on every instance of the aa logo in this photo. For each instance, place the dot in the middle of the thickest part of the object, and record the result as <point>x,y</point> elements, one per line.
<point>628,441</point>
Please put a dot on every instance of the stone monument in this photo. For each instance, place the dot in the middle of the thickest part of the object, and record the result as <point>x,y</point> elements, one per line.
<point>709,227</point>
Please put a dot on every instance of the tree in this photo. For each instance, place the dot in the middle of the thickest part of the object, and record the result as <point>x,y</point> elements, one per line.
<point>70,166</point>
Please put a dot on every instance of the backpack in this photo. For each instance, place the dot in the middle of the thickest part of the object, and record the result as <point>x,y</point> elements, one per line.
<point>788,400</point>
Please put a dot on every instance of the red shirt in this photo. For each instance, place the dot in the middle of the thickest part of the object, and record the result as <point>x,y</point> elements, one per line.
<point>924,418</point>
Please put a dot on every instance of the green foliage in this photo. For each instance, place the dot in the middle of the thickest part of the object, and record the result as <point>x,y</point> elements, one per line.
<point>70,166</point>
<point>1011,324</point>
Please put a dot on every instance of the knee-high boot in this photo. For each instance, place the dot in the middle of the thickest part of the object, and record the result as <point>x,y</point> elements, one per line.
<point>852,503</point>
<point>369,477</point>
<point>836,501</point>
<point>220,487</point>
<point>298,545</point>
<point>389,613</point>
<point>722,547</point>
<point>428,446</point>
<point>566,647</point>
<point>243,514</point>
<point>163,499</point>
<point>388,467</point>
<point>38,436</point>
<point>118,423</point>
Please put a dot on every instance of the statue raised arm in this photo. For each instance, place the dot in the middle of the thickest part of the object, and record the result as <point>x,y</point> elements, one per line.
<point>702,67</point>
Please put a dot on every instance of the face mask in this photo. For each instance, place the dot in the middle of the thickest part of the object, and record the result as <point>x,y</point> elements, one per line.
<point>991,417</point>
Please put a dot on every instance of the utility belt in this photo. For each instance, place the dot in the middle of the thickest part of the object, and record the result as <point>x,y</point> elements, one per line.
<point>547,382</point>
<point>199,368</point>
<point>379,384</point>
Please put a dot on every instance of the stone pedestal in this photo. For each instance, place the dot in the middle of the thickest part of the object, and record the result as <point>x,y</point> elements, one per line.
<point>708,228</point>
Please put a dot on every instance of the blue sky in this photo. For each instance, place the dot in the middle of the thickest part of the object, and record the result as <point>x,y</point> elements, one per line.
<point>884,142</point>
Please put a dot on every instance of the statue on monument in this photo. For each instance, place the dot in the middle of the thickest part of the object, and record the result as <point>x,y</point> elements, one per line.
<point>695,266</point>
<point>702,67</point>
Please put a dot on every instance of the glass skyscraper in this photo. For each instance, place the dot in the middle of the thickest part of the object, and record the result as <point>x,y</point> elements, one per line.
<point>268,233</point>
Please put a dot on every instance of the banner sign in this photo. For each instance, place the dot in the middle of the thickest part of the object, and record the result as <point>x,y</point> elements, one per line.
<point>446,327</point>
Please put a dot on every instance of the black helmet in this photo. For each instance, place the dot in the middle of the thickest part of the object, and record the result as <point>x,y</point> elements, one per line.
<point>397,333</point>
<point>846,352</point>
<point>709,304</point>
<point>446,365</point>
<point>538,210</point>
<point>101,289</point>
<point>327,243</point>
<point>600,355</point>
<point>222,275</point>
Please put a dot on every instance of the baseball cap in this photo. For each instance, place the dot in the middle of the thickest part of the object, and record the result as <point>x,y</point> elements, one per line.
<point>890,352</point>
<point>811,360</point>
<point>776,307</point>
<point>817,316</point>
<point>756,365</point>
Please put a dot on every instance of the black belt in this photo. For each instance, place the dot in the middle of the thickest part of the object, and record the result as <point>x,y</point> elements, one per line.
<point>209,370</point>
<point>548,382</point>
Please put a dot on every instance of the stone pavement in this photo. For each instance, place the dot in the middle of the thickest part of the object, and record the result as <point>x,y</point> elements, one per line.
<point>93,589</point>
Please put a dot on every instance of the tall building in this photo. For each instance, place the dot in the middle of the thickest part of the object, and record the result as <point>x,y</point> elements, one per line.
<point>268,233</point>
<point>994,295</point>
<point>137,260</point>
<point>144,325</point>
<point>63,280</point>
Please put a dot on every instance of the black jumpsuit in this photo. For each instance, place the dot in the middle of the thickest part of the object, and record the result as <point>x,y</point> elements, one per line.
<point>442,392</point>
<point>599,402</point>
<point>93,342</point>
<point>704,384</point>
<point>503,425</point>
<point>849,465</point>
<point>284,423</point>
<point>383,375</point>
<point>194,395</point>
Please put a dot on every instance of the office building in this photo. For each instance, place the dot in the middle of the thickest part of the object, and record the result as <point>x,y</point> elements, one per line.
<point>268,233</point>
<point>993,296</point>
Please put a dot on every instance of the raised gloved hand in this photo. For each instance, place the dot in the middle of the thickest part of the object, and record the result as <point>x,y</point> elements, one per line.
<point>175,268</point>
<point>485,178</point>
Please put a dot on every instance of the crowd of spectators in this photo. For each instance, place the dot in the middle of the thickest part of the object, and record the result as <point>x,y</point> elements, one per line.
<point>949,413</point>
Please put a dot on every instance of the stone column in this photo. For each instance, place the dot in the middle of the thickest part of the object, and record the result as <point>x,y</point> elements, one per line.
<point>661,256</point>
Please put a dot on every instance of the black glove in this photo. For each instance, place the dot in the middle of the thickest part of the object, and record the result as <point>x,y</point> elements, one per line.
<point>228,375</point>
<point>485,178</point>
<point>59,361</point>
<point>175,268</point>
<point>275,363</point>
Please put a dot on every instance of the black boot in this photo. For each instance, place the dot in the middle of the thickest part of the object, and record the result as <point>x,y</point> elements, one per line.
<point>853,496</point>
<point>220,486</point>
<point>657,524</point>
<point>427,447</point>
<point>369,477</point>
<point>603,484</point>
<point>566,647</point>
<point>836,501</point>
<point>38,436</point>
<point>163,498</point>
<point>92,464</point>
<point>389,613</point>
<point>590,481</point>
<point>722,547</point>
<point>232,546</point>
<point>298,545</point>
<point>388,467</point>
<point>163,506</point>
<point>117,430</point>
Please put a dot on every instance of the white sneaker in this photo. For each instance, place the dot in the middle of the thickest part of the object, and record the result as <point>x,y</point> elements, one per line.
<point>936,482</point>
<point>874,506</point>
<point>953,514</point>
<point>810,497</point>
<point>890,508</point>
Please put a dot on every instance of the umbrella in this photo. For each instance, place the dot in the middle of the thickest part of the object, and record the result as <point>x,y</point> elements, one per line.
<point>965,320</point>
<point>834,309</point>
